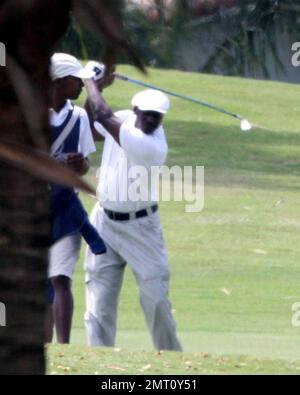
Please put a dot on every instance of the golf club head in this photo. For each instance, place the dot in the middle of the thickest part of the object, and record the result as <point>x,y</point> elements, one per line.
<point>245,125</point>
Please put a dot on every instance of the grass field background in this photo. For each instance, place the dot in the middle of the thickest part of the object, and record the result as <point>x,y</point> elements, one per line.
<point>235,265</point>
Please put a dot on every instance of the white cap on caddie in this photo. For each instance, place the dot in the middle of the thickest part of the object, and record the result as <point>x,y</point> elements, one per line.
<point>151,100</point>
<point>97,68</point>
<point>63,65</point>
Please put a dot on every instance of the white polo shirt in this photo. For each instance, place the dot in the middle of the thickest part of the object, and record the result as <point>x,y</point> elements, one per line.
<point>86,142</point>
<point>125,183</point>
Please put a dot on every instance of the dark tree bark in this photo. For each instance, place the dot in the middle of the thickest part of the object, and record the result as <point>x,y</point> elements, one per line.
<point>29,29</point>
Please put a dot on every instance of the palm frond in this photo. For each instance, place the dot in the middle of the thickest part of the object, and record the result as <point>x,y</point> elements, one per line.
<point>32,102</point>
<point>40,165</point>
<point>105,19</point>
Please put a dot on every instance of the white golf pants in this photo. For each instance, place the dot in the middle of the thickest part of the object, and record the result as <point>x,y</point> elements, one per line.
<point>139,243</point>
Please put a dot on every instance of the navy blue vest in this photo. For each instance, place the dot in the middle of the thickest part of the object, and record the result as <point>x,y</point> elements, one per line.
<point>67,212</point>
<point>70,144</point>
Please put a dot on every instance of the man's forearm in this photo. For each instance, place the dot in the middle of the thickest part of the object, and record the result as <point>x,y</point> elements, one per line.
<point>101,112</point>
<point>97,136</point>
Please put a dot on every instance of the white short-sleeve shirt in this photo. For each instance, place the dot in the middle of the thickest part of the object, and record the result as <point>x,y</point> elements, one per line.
<point>128,179</point>
<point>86,142</point>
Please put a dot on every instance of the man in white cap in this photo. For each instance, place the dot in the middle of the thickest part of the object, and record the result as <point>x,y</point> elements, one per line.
<point>72,142</point>
<point>127,218</point>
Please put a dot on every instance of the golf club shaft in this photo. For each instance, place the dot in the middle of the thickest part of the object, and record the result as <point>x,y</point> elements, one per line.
<point>188,98</point>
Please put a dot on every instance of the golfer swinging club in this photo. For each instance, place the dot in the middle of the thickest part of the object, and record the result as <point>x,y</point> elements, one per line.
<point>130,228</point>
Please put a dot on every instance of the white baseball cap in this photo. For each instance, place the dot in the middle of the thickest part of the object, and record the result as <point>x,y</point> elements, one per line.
<point>151,100</point>
<point>97,68</point>
<point>63,65</point>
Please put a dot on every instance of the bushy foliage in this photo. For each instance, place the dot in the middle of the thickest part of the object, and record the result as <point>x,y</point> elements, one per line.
<point>247,35</point>
<point>154,40</point>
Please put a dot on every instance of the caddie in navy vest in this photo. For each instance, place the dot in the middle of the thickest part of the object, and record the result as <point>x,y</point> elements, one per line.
<point>68,214</point>
<point>72,142</point>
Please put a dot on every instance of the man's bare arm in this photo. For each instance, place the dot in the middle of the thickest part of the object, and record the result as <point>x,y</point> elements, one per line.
<point>77,162</point>
<point>97,136</point>
<point>101,112</point>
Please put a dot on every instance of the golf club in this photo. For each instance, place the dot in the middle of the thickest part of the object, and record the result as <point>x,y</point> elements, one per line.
<point>245,125</point>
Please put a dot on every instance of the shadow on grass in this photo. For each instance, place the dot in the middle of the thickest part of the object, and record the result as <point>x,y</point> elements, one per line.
<point>258,159</point>
<point>261,159</point>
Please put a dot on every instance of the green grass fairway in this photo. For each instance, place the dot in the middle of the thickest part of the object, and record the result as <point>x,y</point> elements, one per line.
<point>70,360</point>
<point>235,264</point>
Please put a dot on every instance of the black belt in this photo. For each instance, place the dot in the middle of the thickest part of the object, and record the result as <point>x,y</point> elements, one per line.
<point>115,216</point>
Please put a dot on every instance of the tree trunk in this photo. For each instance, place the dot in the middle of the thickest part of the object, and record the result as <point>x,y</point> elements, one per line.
<point>29,29</point>
<point>24,231</point>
